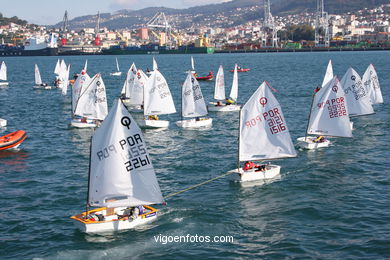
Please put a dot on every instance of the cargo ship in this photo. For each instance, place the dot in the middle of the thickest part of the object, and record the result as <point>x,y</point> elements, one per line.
<point>155,49</point>
<point>34,46</point>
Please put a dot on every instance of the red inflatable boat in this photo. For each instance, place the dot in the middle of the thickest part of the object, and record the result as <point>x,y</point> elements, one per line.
<point>12,140</point>
<point>241,70</point>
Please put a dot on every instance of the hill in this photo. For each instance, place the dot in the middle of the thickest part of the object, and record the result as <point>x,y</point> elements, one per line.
<point>236,12</point>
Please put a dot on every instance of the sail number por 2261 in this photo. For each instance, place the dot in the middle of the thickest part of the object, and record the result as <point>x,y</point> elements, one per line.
<point>136,163</point>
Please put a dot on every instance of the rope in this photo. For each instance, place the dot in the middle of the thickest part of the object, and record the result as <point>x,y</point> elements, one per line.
<point>200,184</point>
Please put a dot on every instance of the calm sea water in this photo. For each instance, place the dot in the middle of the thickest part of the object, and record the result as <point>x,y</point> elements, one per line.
<point>331,203</point>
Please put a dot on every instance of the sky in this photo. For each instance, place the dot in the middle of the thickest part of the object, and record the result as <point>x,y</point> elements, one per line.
<point>49,12</point>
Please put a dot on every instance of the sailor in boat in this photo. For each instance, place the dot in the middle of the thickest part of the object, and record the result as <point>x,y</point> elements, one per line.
<point>319,139</point>
<point>57,82</point>
<point>238,67</point>
<point>130,214</point>
<point>230,101</point>
<point>153,117</point>
<point>251,165</point>
<point>219,104</point>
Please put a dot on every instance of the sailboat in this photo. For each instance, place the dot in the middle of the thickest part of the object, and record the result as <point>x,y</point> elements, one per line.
<point>263,135</point>
<point>193,105</point>
<point>117,72</point>
<point>121,180</point>
<point>3,74</point>
<point>132,93</point>
<point>157,101</point>
<point>328,116</point>
<point>357,98</point>
<point>91,103</point>
<point>38,80</point>
<point>219,93</point>
<point>155,67</point>
<point>371,83</point>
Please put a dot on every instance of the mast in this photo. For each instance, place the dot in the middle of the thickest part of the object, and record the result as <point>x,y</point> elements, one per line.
<point>89,177</point>
<point>308,120</point>
<point>238,142</point>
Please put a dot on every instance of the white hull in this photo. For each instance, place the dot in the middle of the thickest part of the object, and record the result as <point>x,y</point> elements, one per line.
<point>80,124</point>
<point>113,223</point>
<point>310,144</point>
<point>224,108</point>
<point>193,123</point>
<point>351,124</point>
<point>118,73</point>
<point>43,87</point>
<point>132,108</point>
<point>153,124</point>
<point>3,122</point>
<point>271,172</point>
<point>3,83</point>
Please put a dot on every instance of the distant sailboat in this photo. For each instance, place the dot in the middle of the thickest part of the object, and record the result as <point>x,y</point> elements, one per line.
<point>356,95</point>
<point>157,101</point>
<point>91,104</point>
<point>328,116</point>
<point>263,135</point>
<point>121,180</point>
<point>117,72</point>
<point>132,93</point>
<point>3,74</point>
<point>154,67</point>
<point>193,105</point>
<point>371,83</point>
<point>38,80</point>
<point>219,93</point>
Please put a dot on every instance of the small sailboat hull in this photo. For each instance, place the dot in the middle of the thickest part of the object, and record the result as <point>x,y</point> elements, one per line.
<point>224,108</point>
<point>270,172</point>
<point>310,144</point>
<point>43,87</point>
<point>83,123</point>
<point>193,123</point>
<point>12,140</point>
<point>3,122</point>
<point>113,222</point>
<point>132,108</point>
<point>118,73</point>
<point>152,124</point>
<point>241,70</point>
<point>3,84</point>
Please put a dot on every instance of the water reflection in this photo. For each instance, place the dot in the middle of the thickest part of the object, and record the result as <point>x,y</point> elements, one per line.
<point>13,161</point>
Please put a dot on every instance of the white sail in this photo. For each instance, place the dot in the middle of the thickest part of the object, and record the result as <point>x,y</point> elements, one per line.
<point>62,67</point>
<point>65,83</point>
<point>121,172</point>
<point>3,71</point>
<point>234,90</point>
<point>38,80</point>
<point>137,88</point>
<point>357,97</point>
<point>86,66</point>
<point>82,81</point>
<point>371,83</point>
<point>117,65</point>
<point>57,67</point>
<point>263,130</point>
<point>155,67</point>
<point>328,74</point>
<point>92,102</point>
<point>329,114</point>
<point>219,90</point>
<point>193,104</point>
<point>192,64</point>
<point>157,96</point>
<point>126,89</point>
